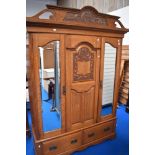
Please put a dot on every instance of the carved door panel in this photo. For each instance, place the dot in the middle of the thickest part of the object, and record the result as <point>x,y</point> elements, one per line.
<point>82,78</point>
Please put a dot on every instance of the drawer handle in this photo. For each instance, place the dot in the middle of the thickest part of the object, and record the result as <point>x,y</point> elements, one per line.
<point>52,148</point>
<point>74,141</point>
<point>91,134</point>
<point>106,129</point>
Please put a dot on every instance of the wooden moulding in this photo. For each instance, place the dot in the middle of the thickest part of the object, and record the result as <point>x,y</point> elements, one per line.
<point>88,18</point>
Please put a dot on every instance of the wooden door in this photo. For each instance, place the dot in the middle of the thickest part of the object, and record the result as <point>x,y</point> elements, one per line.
<point>110,77</point>
<point>41,102</point>
<point>82,80</point>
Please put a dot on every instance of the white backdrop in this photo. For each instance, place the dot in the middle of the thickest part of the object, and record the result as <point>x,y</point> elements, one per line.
<point>123,13</point>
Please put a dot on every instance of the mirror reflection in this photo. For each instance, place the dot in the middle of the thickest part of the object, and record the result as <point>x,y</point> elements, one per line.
<point>108,79</point>
<point>50,86</point>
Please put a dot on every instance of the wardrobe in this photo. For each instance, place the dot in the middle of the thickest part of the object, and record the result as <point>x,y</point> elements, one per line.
<point>73,71</point>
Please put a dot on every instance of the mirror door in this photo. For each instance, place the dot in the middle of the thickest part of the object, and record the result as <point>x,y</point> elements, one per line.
<point>109,77</point>
<point>50,82</point>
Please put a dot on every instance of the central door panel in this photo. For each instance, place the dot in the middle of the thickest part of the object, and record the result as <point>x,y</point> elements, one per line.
<point>89,100</point>
<point>76,99</point>
<point>82,80</point>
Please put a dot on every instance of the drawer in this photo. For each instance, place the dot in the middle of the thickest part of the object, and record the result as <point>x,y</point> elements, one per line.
<point>99,131</point>
<point>62,144</point>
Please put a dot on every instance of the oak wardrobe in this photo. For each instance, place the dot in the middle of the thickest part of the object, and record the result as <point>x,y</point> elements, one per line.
<point>73,72</point>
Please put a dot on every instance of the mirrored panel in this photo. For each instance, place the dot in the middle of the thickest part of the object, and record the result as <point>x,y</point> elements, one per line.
<point>108,79</point>
<point>50,86</point>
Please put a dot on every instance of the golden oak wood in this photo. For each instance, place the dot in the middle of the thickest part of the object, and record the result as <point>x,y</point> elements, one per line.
<point>82,35</point>
<point>83,89</point>
<point>71,132</point>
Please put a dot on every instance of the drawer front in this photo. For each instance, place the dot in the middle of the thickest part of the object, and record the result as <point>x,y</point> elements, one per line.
<point>99,131</point>
<point>107,128</point>
<point>53,147</point>
<point>73,141</point>
<point>62,144</point>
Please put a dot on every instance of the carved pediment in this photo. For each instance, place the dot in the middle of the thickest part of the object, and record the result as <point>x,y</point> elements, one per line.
<point>87,14</point>
<point>87,17</point>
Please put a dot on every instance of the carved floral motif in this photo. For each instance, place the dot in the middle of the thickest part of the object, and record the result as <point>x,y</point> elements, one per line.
<point>83,55</point>
<point>85,16</point>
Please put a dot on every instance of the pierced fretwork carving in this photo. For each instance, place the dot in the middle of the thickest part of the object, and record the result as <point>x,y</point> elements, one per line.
<point>46,15</point>
<point>84,56</point>
<point>85,16</point>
